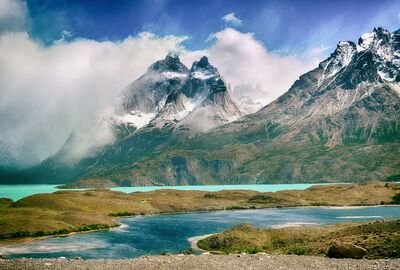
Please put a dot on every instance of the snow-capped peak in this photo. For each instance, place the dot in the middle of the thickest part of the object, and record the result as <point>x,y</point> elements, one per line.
<point>339,59</point>
<point>385,47</point>
<point>380,46</point>
<point>168,93</point>
<point>366,40</point>
<point>381,42</point>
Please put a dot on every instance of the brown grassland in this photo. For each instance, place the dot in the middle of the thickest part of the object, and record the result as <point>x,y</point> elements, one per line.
<point>70,211</point>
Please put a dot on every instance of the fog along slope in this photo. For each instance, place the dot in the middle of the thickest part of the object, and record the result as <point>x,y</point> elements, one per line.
<point>165,106</point>
<point>338,122</point>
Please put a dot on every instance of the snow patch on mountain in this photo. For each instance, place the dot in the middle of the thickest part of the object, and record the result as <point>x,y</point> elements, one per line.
<point>202,75</point>
<point>386,76</point>
<point>366,40</point>
<point>135,118</point>
<point>173,75</point>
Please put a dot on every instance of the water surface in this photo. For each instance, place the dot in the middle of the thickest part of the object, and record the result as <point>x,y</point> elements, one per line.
<point>210,188</point>
<point>151,235</point>
<point>17,192</point>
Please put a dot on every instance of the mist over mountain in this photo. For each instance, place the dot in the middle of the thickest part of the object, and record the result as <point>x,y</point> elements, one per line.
<point>13,156</point>
<point>175,125</point>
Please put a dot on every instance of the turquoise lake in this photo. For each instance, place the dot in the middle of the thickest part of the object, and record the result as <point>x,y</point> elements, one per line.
<point>16,192</point>
<point>151,235</point>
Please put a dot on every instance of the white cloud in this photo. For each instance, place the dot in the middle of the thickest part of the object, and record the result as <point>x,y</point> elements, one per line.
<point>230,18</point>
<point>243,60</point>
<point>12,15</point>
<point>48,91</point>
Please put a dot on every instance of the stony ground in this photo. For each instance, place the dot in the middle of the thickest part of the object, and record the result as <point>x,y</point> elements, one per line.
<point>209,262</point>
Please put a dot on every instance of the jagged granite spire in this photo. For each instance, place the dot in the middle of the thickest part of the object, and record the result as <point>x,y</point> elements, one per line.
<point>171,63</point>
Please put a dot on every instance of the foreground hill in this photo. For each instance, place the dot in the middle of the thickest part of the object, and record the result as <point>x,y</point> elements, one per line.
<point>370,240</point>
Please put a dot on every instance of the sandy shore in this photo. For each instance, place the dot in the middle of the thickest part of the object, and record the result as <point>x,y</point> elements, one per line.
<point>193,240</point>
<point>209,262</point>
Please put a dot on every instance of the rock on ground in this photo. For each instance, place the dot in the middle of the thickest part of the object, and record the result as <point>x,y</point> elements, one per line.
<point>346,250</point>
<point>209,262</point>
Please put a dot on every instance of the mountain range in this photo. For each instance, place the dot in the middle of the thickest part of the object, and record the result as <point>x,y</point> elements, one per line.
<point>181,126</point>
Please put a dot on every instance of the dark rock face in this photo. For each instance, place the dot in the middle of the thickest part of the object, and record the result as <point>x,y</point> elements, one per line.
<point>148,93</point>
<point>170,63</point>
<point>203,78</point>
<point>345,250</point>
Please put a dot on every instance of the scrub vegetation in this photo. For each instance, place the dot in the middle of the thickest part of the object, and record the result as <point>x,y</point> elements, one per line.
<point>69,211</point>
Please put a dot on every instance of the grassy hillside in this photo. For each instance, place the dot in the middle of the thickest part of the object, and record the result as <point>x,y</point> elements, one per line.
<point>69,211</point>
<point>261,163</point>
<point>381,239</point>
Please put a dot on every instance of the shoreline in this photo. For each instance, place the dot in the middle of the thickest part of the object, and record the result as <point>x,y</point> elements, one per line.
<point>21,240</point>
<point>118,225</point>
<point>59,187</point>
<point>194,239</point>
<point>90,213</point>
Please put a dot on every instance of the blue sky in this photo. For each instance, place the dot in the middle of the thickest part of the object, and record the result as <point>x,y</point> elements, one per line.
<point>285,26</point>
<point>62,63</point>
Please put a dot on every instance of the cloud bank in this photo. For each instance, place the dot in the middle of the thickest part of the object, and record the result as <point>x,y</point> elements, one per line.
<point>12,15</point>
<point>49,91</point>
<point>46,92</point>
<point>243,60</point>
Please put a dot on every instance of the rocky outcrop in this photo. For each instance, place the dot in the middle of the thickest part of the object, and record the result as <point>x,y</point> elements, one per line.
<point>346,250</point>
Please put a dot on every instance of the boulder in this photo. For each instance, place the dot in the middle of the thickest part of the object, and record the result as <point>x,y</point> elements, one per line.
<point>346,250</point>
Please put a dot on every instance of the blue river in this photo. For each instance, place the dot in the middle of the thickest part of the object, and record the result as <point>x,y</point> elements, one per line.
<point>151,235</point>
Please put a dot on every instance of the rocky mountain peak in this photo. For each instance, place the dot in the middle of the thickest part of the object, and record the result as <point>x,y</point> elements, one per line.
<point>381,42</point>
<point>375,38</point>
<point>348,75</point>
<point>385,49</point>
<point>203,63</point>
<point>340,58</point>
<point>376,57</point>
<point>168,92</point>
<point>203,70</point>
<point>171,63</point>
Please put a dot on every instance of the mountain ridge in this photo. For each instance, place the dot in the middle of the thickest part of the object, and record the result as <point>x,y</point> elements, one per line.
<point>338,122</point>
